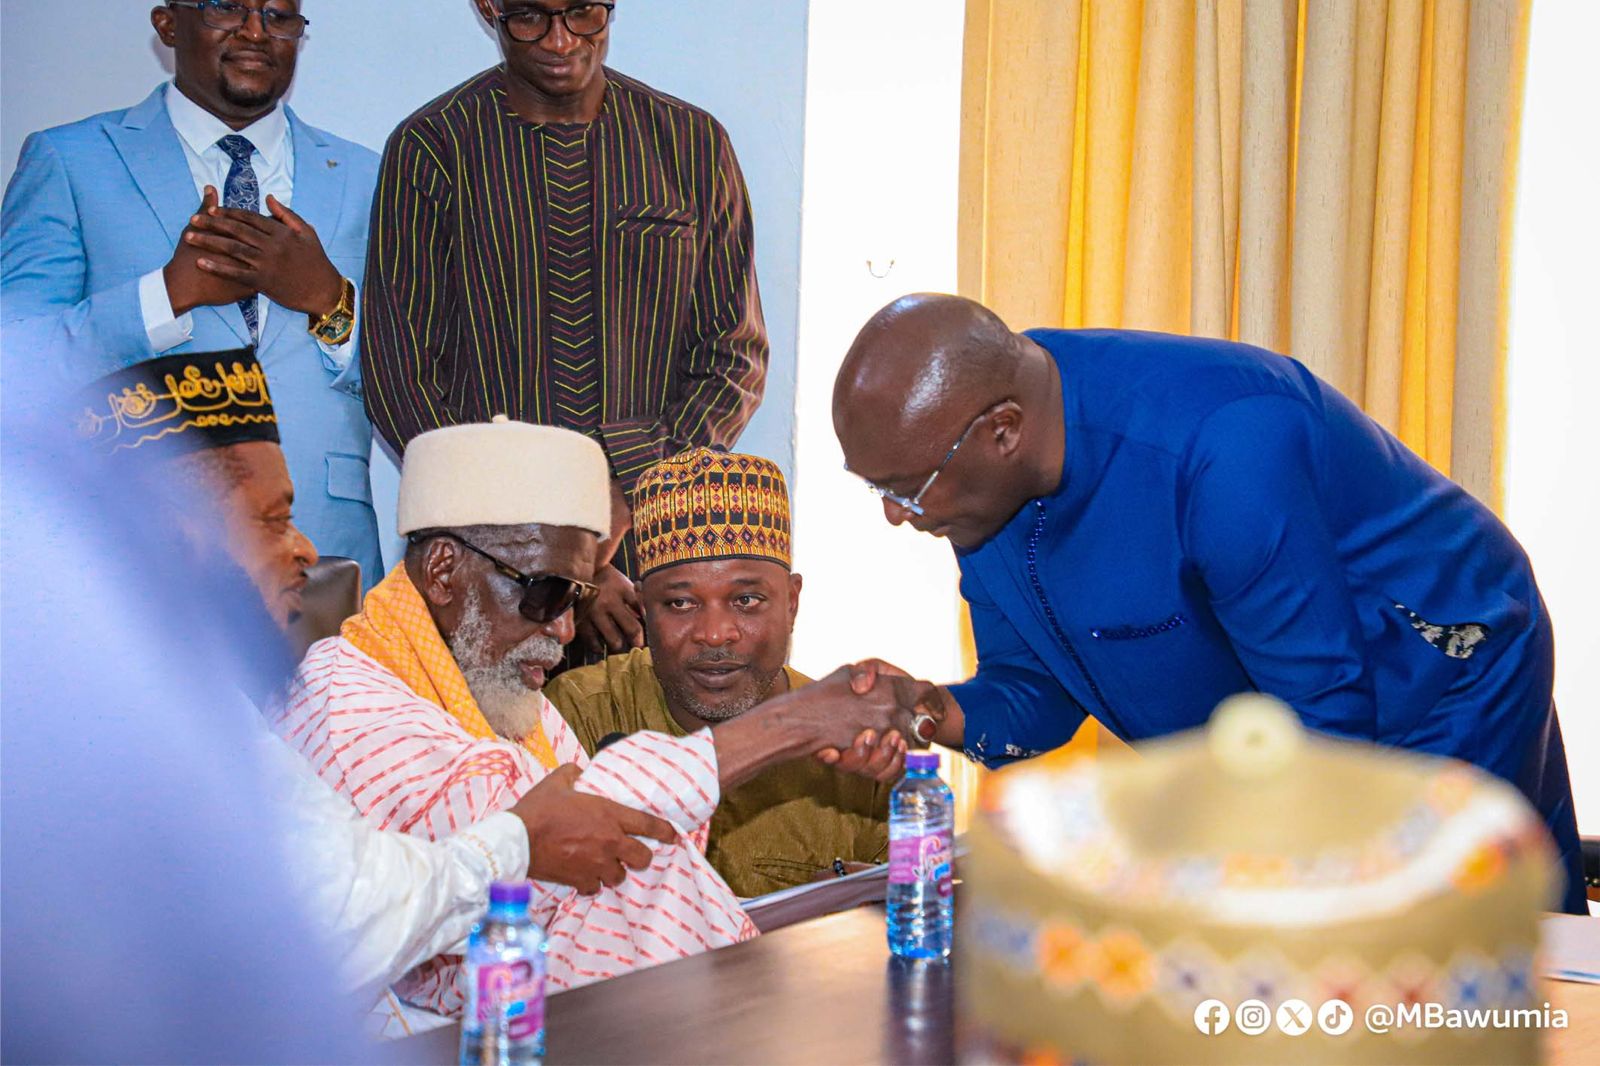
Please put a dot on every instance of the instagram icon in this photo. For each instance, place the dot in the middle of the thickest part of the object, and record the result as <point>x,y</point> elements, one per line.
<point>1253,1018</point>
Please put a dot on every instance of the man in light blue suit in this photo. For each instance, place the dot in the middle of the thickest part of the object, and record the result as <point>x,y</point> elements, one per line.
<point>167,228</point>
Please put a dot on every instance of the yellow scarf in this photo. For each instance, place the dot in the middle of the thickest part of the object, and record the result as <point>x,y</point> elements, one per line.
<point>394,627</point>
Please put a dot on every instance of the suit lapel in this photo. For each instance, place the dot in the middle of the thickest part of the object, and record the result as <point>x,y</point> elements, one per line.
<point>156,162</point>
<point>319,182</point>
<point>150,150</point>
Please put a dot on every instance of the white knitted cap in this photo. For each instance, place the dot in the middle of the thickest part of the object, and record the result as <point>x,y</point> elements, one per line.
<point>504,473</point>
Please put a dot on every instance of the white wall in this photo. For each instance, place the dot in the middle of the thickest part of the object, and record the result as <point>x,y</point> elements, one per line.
<point>368,63</point>
<point>882,142</point>
<point>1552,477</point>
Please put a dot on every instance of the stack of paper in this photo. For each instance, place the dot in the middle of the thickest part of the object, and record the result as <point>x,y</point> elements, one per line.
<point>1572,948</point>
<point>778,909</point>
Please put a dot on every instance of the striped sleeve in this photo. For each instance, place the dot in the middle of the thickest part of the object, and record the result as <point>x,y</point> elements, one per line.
<point>406,306</point>
<point>674,778</point>
<point>634,446</point>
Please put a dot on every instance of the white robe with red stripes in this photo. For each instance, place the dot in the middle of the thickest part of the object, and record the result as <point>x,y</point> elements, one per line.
<point>407,765</point>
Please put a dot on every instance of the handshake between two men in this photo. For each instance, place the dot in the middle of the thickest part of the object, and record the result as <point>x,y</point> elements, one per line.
<point>860,719</point>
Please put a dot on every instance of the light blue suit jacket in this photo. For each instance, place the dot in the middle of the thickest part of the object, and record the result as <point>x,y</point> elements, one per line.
<point>97,204</point>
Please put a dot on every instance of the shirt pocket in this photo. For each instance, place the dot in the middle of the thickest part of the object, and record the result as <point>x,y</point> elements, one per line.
<point>657,250</point>
<point>668,221</point>
<point>349,477</point>
<point>1162,670</point>
<point>1139,632</point>
<point>1454,640</point>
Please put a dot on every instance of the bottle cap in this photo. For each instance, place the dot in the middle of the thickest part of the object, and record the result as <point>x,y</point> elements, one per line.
<point>922,760</point>
<point>510,893</point>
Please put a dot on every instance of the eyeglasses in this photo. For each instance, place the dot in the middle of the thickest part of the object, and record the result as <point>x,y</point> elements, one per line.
<point>545,597</point>
<point>533,23</point>
<point>913,503</point>
<point>232,16</point>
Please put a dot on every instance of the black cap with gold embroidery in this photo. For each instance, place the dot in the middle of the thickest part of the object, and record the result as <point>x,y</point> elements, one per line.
<point>179,404</point>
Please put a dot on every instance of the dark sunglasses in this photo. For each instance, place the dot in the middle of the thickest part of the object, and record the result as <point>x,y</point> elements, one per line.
<point>545,597</point>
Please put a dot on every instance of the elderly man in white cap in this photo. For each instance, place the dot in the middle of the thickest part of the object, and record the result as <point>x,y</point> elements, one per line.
<point>426,712</point>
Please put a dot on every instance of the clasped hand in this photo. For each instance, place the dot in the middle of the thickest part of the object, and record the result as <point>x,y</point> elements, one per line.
<point>226,255</point>
<point>873,707</point>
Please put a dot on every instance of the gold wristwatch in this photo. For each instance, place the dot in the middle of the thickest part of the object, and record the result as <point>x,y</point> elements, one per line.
<point>335,327</point>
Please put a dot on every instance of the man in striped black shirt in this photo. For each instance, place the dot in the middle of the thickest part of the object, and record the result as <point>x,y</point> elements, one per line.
<point>557,242</point>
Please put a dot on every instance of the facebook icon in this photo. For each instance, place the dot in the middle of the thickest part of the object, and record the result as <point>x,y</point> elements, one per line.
<point>1211,1017</point>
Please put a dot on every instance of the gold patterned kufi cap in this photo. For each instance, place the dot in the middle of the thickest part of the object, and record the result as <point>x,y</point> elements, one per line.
<point>1247,893</point>
<point>179,404</point>
<point>710,504</point>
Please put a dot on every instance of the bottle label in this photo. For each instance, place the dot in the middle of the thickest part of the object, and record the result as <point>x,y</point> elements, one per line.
<point>922,858</point>
<point>517,991</point>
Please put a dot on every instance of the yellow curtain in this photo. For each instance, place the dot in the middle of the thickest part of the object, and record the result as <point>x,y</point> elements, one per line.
<point>1331,179</point>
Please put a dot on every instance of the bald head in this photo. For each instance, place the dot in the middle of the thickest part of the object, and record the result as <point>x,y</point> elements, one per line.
<point>920,359</point>
<point>931,375</point>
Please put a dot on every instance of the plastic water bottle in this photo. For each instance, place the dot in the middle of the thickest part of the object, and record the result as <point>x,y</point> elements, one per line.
<point>921,838</point>
<point>919,1025</point>
<point>504,1021</point>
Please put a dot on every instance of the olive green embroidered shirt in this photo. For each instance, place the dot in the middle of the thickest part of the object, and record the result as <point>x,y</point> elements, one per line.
<point>774,831</point>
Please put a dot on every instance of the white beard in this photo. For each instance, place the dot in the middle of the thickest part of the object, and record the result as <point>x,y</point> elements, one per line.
<point>511,708</point>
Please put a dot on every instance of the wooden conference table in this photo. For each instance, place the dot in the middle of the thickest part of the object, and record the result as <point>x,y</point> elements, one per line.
<point>821,991</point>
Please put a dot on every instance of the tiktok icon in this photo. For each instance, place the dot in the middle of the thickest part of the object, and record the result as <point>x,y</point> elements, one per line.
<point>1335,1017</point>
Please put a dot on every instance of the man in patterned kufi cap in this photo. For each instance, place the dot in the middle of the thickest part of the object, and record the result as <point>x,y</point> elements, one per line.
<point>720,601</point>
<point>207,419</point>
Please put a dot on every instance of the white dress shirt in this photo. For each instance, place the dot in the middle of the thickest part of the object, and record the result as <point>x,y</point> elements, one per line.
<point>388,901</point>
<point>273,161</point>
